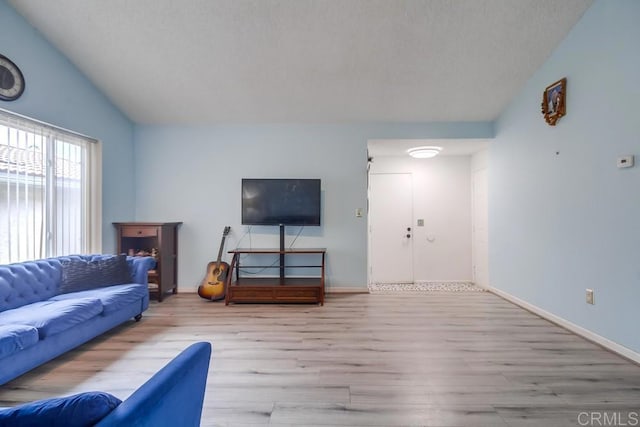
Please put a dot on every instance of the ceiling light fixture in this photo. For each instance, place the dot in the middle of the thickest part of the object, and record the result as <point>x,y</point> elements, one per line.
<point>424,152</point>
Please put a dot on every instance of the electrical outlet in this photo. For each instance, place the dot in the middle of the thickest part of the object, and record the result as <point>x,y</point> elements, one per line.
<point>590,296</point>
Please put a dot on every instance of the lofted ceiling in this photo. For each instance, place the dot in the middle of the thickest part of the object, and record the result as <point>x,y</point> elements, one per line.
<point>260,61</point>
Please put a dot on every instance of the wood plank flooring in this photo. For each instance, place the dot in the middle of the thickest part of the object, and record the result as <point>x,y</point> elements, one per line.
<point>403,359</point>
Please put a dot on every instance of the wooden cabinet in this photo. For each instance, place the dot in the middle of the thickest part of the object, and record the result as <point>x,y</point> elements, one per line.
<point>280,289</point>
<point>159,238</point>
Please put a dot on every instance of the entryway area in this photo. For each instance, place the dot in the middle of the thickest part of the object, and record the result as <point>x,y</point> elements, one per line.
<point>427,217</point>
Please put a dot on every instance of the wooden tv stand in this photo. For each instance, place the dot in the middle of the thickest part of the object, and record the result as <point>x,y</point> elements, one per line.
<point>280,289</point>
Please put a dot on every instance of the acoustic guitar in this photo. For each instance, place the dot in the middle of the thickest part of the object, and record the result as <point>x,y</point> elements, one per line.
<point>212,286</point>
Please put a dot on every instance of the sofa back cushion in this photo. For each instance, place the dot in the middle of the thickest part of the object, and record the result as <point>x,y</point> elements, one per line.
<point>84,409</point>
<point>27,282</point>
<point>83,273</point>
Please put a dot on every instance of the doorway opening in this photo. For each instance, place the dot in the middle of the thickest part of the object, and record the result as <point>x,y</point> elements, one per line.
<point>427,218</point>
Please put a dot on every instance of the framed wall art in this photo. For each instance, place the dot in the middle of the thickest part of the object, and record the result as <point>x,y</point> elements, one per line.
<point>554,101</point>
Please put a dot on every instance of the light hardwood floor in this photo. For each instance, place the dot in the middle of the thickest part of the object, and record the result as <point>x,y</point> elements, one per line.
<point>403,359</point>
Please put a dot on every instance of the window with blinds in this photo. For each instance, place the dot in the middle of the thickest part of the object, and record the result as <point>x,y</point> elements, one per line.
<point>46,183</point>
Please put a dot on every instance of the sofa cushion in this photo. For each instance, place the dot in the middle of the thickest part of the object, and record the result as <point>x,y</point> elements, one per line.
<point>27,282</point>
<point>113,298</point>
<point>14,338</point>
<point>53,317</point>
<point>84,409</point>
<point>81,274</point>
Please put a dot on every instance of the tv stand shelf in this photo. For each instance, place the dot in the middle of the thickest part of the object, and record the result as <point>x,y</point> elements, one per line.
<point>280,289</point>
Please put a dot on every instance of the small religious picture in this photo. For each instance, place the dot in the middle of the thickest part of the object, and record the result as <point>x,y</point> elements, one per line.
<point>553,101</point>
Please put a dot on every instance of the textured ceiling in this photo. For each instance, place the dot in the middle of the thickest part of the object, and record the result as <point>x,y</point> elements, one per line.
<point>207,61</point>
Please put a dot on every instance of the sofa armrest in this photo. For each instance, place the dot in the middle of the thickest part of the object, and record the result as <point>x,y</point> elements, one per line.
<point>172,397</point>
<point>139,266</point>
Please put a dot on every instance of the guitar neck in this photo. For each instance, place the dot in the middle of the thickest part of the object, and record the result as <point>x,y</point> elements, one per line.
<point>220,251</point>
<point>224,236</point>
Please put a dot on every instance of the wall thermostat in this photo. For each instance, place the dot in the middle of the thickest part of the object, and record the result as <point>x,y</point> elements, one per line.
<point>625,162</point>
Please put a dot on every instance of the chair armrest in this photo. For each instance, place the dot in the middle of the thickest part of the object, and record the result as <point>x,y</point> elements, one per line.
<point>172,397</point>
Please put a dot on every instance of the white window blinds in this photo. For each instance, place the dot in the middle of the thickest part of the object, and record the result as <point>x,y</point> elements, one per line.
<point>46,179</point>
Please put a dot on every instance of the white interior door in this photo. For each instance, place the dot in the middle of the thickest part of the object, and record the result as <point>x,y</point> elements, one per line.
<point>480,237</point>
<point>390,228</point>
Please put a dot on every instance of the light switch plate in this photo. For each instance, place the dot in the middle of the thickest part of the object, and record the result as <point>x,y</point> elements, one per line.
<point>590,299</point>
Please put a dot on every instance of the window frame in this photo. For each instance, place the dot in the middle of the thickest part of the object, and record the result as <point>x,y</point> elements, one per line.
<point>91,175</point>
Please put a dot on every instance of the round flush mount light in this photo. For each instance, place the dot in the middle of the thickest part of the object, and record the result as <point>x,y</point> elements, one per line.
<point>424,152</point>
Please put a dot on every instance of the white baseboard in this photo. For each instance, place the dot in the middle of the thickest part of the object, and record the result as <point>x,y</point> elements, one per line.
<point>327,290</point>
<point>346,290</point>
<point>442,281</point>
<point>579,330</point>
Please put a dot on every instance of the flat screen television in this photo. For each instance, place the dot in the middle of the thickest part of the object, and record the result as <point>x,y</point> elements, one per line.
<point>280,201</point>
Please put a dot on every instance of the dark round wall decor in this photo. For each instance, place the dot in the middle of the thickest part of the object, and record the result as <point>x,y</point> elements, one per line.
<point>11,80</point>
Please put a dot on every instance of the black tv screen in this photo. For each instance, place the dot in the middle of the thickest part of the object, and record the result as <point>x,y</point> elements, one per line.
<point>281,201</point>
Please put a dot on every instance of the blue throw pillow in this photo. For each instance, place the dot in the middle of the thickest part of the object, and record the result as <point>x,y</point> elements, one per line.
<point>80,275</point>
<point>84,409</point>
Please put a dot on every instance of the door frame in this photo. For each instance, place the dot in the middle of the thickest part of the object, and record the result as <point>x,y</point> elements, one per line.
<point>475,249</point>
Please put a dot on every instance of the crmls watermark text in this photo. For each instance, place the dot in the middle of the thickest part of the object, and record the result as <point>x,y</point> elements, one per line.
<point>609,418</point>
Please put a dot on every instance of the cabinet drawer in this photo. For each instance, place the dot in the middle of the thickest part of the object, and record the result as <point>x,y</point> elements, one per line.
<point>297,294</point>
<point>139,231</point>
<point>251,294</point>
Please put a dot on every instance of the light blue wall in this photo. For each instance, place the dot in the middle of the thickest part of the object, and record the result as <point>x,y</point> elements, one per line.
<point>59,94</point>
<point>193,175</point>
<point>561,223</point>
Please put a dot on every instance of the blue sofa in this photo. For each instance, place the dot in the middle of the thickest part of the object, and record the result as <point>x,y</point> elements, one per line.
<point>50,306</point>
<point>172,397</point>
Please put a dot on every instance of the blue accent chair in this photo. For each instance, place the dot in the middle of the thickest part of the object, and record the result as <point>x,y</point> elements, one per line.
<point>172,397</point>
